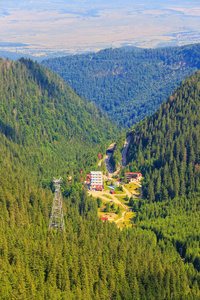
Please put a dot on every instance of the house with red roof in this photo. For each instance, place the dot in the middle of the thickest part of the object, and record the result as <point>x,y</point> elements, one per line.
<point>133,176</point>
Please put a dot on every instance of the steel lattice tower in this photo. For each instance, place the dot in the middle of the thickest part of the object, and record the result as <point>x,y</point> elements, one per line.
<point>56,219</point>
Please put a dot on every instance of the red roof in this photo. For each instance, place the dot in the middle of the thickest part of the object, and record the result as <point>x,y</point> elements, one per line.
<point>135,175</point>
<point>132,173</point>
<point>99,187</point>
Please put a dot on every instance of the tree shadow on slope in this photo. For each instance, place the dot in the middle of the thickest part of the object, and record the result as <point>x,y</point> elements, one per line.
<point>8,131</point>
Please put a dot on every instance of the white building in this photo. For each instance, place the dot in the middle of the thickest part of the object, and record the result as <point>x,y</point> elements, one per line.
<point>96,181</point>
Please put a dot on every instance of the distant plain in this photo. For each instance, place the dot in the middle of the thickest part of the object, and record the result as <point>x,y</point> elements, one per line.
<point>42,27</point>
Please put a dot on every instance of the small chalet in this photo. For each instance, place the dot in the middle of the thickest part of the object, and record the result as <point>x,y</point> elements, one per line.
<point>133,177</point>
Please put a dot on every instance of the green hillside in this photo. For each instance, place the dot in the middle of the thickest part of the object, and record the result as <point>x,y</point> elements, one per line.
<point>128,84</point>
<point>45,130</point>
<point>166,149</point>
<point>166,146</point>
<point>46,123</point>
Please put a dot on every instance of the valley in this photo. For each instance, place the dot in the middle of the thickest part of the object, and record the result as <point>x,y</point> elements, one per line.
<point>129,84</point>
<point>106,196</point>
<point>136,239</point>
<point>125,193</point>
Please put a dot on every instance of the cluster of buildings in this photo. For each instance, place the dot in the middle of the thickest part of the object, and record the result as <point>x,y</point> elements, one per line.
<point>95,179</point>
<point>133,177</point>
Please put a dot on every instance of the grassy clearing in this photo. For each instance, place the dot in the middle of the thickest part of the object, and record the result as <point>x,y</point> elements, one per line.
<point>120,197</point>
<point>123,200</point>
<point>133,187</point>
<point>128,220</point>
<point>112,215</point>
<point>118,190</point>
<point>107,196</point>
<point>110,208</point>
<point>129,217</point>
<point>106,187</point>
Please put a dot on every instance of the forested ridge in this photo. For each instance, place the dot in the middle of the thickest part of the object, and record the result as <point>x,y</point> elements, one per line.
<point>43,133</point>
<point>166,149</point>
<point>128,84</point>
<point>166,146</point>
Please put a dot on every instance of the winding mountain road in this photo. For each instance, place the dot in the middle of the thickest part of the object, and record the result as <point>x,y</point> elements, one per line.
<point>108,165</point>
<point>124,151</point>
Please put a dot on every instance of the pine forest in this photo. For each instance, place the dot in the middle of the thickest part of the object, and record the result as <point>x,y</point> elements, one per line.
<point>47,130</point>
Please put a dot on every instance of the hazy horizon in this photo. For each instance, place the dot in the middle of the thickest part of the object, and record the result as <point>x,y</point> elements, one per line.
<point>39,27</point>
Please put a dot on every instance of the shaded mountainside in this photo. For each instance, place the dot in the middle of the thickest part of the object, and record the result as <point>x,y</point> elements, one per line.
<point>46,122</point>
<point>45,130</point>
<point>128,84</point>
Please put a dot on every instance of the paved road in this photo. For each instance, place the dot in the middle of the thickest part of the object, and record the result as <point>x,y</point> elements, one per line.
<point>109,168</point>
<point>106,159</point>
<point>124,151</point>
<point>108,165</point>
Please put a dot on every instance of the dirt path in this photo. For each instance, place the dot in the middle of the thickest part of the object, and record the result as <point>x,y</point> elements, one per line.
<point>127,192</point>
<point>122,218</point>
<point>100,195</point>
<point>134,195</point>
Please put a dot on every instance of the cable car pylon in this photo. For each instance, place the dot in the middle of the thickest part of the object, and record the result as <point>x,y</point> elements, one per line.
<point>57,219</point>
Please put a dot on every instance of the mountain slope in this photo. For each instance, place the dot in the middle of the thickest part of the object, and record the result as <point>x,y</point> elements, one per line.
<point>42,133</point>
<point>167,144</point>
<point>166,149</point>
<point>128,84</point>
<point>42,113</point>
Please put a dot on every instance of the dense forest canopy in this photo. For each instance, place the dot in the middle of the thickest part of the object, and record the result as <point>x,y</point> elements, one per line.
<point>166,149</point>
<point>46,129</point>
<point>166,146</point>
<point>128,84</point>
<point>47,122</point>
